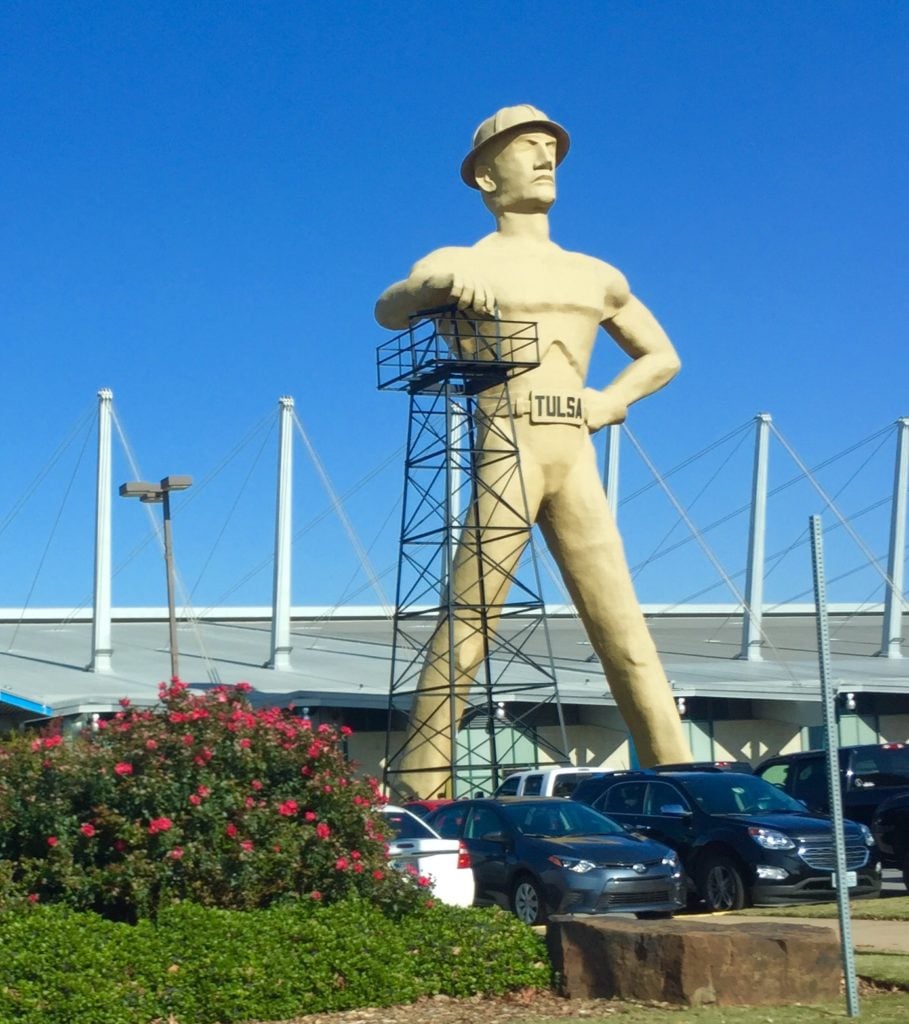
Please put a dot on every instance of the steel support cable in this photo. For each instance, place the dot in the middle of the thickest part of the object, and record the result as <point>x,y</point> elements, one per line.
<point>833,579</point>
<point>555,574</point>
<point>831,504</point>
<point>266,423</point>
<point>741,572</point>
<point>47,545</point>
<point>346,592</point>
<point>158,532</point>
<point>302,531</point>
<point>55,457</point>
<point>230,513</point>
<point>190,614</point>
<point>192,617</point>
<point>656,551</point>
<point>549,563</point>
<point>804,537</point>
<point>685,462</point>
<point>153,534</point>
<point>705,547</point>
<point>342,515</point>
<point>885,433</point>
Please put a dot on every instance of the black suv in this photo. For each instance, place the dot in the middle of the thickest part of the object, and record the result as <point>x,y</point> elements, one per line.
<point>890,826</point>
<point>869,773</point>
<point>740,840</point>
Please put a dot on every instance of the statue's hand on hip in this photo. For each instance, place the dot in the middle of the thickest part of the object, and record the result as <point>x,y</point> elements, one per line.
<point>602,408</point>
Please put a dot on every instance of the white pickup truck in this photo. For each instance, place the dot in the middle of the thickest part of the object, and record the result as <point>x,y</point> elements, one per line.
<point>559,781</point>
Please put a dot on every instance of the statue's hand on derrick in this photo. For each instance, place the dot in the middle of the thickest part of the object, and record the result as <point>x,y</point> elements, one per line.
<point>431,286</point>
<point>469,294</point>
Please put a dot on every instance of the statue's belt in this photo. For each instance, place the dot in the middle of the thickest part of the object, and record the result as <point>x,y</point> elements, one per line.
<point>543,407</point>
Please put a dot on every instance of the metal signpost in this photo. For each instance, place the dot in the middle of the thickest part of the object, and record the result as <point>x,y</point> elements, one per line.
<point>831,734</point>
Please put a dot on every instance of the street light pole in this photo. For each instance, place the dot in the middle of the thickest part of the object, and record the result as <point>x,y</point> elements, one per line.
<point>171,600</point>
<point>159,494</point>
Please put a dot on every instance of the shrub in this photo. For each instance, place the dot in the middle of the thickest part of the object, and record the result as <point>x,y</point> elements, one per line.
<point>197,965</point>
<point>202,799</point>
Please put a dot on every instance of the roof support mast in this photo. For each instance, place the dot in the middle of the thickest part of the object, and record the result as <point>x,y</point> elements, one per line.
<point>280,612</point>
<point>611,473</point>
<point>101,616</point>
<point>891,641</point>
<point>753,612</point>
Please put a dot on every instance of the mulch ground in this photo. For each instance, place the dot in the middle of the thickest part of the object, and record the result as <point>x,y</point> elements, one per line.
<point>521,1006</point>
<point>525,1007</point>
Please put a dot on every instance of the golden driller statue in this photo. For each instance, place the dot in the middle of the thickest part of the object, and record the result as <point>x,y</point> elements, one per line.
<point>518,273</point>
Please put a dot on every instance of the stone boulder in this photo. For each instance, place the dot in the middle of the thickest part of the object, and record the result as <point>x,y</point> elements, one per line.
<point>694,963</point>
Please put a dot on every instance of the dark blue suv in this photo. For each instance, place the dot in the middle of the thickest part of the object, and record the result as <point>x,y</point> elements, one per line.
<point>740,840</point>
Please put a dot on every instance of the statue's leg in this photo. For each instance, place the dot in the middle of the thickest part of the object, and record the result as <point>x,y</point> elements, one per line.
<point>488,553</point>
<point>581,532</point>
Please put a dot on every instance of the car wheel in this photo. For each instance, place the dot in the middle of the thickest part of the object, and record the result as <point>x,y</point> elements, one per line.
<point>721,884</point>
<point>653,915</point>
<point>527,901</point>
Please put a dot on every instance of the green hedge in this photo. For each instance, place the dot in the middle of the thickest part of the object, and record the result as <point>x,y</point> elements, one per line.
<point>198,965</point>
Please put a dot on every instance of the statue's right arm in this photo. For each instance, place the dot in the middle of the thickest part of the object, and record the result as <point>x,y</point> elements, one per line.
<point>435,281</point>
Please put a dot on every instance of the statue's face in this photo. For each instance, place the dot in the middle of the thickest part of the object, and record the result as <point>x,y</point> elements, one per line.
<point>519,172</point>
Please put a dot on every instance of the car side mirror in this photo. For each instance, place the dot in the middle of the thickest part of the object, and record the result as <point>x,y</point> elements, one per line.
<point>494,837</point>
<point>676,810</point>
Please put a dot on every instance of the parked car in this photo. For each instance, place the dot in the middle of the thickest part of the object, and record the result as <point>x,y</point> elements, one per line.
<point>423,808</point>
<point>558,781</point>
<point>706,766</point>
<point>869,774</point>
<point>546,855</point>
<point>740,840</point>
<point>890,827</point>
<point>418,848</point>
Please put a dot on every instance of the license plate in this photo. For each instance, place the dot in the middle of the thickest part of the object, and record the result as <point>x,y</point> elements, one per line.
<point>851,879</point>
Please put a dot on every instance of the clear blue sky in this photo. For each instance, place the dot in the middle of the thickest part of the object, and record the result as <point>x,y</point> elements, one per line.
<point>200,202</point>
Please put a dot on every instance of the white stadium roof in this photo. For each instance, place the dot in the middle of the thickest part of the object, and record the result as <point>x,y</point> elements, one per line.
<point>341,658</point>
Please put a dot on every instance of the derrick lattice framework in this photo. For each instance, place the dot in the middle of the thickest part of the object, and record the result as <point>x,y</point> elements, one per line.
<point>456,372</point>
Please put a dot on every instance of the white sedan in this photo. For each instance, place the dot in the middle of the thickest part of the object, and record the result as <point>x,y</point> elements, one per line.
<point>416,847</point>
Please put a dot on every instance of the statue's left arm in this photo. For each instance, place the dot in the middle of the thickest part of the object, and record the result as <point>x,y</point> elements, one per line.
<point>654,363</point>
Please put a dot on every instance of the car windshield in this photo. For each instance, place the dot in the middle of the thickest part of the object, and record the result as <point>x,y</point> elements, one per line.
<point>725,793</point>
<point>557,817</point>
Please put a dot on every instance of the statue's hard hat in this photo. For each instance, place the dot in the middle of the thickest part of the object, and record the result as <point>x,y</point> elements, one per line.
<point>507,119</point>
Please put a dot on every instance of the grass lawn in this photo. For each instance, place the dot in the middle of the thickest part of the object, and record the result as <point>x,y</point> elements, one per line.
<point>890,968</point>
<point>893,908</point>
<point>877,1009</point>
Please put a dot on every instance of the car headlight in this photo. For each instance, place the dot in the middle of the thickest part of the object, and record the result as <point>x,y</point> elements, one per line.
<point>671,860</point>
<point>770,839</point>
<point>866,835</point>
<point>575,864</point>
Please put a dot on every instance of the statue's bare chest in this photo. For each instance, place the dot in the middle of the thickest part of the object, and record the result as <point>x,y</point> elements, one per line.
<point>527,285</point>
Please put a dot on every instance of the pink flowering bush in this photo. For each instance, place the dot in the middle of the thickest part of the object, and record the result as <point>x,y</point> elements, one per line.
<point>201,799</point>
